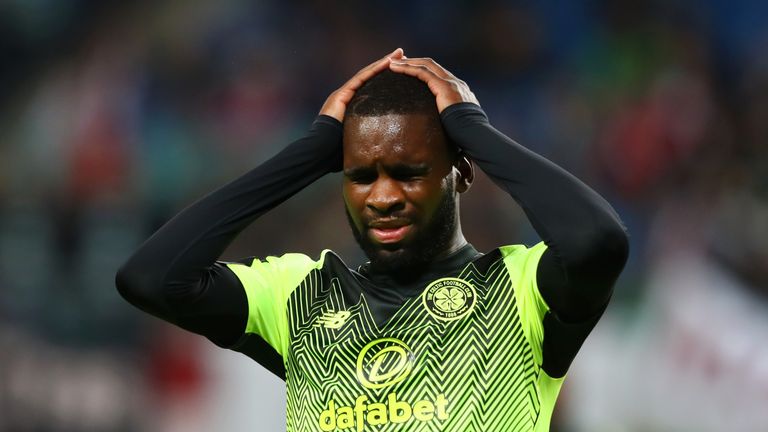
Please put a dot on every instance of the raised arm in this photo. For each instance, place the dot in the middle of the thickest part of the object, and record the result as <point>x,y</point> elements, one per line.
<point>587,246</point>
<point>175,275</point>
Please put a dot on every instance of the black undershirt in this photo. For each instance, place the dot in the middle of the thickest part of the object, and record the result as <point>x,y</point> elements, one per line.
<point>175,275</point>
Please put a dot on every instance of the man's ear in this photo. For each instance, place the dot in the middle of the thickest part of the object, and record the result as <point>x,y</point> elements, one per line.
<point>466,172</point>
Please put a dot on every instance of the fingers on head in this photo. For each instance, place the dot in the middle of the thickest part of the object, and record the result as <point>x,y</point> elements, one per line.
<point>425,70</point>
<point>396,54</point>
<point>366,73</point>
<point>431,65</point>
<point>422,71</point>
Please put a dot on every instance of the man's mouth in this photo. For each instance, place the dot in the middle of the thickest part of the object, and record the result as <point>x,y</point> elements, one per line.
<point>390,231</point>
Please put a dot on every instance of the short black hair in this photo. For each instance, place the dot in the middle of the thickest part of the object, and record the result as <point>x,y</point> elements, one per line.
<point>392,93</point>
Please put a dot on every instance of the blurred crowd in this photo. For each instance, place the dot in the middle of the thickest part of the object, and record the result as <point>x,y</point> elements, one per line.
<point>115,115</point>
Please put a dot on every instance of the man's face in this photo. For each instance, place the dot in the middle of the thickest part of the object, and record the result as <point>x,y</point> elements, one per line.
<point>399,189</point>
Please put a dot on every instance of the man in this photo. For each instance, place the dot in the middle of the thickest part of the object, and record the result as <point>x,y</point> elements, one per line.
<point>430,334</point>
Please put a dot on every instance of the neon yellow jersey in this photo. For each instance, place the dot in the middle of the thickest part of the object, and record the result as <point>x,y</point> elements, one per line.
<point>463,355</point>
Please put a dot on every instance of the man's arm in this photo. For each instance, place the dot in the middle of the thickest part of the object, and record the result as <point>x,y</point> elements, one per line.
<point>175,275</point>
<point>586,242</point>
<point>587,246</point>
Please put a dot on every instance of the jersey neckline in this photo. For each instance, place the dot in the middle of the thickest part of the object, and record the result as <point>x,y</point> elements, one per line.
<point>451,265</point>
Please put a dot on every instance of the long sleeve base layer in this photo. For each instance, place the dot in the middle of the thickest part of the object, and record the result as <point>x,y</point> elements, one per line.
<point>175,275</point>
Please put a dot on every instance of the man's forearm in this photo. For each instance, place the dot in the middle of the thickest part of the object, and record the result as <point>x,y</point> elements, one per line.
<point>175,268</point>
<point>586,239</point>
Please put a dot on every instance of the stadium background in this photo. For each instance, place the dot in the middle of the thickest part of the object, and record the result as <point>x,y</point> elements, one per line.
<point>114,115</point>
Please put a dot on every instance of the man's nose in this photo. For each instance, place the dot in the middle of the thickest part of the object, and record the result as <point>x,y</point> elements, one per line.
<point>386,196</point>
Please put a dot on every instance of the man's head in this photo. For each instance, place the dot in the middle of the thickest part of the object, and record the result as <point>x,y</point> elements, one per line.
<point>402,176</point>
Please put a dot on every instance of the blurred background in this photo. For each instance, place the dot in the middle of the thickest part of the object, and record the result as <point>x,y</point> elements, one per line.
<point>114,115</point>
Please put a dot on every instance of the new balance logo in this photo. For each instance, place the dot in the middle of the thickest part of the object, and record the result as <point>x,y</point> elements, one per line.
<point>333,320</point>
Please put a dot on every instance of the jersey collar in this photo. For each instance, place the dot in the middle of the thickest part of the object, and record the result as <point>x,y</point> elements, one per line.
<point>445,267</point>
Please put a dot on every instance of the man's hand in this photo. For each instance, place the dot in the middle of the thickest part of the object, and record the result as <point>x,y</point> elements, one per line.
<point>336,104</point>
<point>448,89</point>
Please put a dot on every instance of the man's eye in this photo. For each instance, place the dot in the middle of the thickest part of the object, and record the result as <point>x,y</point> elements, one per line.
<point>406,176</point>
<point>362,178</point>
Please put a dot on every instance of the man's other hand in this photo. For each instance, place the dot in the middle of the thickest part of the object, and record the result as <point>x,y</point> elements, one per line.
<point>336,104</point>
<point>448,89</point>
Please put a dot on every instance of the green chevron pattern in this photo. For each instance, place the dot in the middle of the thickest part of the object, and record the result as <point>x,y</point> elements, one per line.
<point>476,373</point>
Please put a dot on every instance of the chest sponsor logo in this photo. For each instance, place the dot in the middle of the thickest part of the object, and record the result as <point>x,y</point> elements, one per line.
<point>332,320</point>
<point>363,413</point>
<point>449,299</point>
<point>382,363</point>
